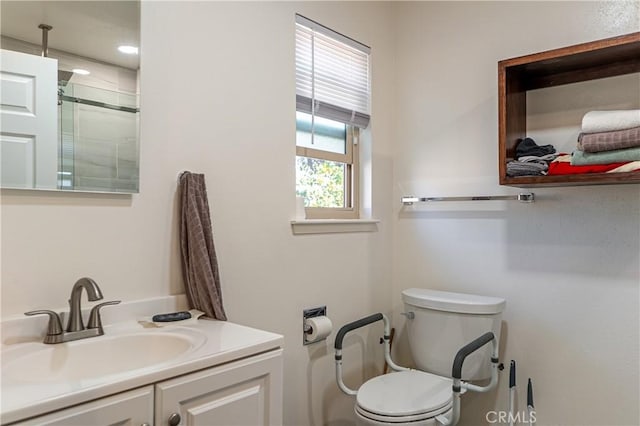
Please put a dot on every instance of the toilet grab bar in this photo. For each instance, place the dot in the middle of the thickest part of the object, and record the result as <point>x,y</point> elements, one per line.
<point>456,373</point>
<point>353,326</point>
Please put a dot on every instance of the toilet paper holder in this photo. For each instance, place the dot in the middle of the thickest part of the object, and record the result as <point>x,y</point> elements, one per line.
<point>306,328</point>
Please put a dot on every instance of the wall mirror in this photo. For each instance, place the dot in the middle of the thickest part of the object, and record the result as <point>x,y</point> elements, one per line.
<point>69,113</point>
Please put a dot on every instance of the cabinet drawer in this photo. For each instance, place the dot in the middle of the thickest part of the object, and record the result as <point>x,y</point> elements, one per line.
<point>131,408</point>
<point>245,392</point>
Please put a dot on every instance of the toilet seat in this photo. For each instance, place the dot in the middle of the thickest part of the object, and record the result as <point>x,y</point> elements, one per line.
<point>405,396</point>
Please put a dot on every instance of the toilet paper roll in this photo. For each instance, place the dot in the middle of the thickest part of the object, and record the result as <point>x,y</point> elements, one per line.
<point>320,328</point>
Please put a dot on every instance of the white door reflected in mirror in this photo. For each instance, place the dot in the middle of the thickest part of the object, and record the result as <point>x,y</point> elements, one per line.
<point>28,113</point>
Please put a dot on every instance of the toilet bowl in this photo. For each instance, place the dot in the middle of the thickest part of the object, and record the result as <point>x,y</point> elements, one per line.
<point>444,329</point>
<point>403,398</point>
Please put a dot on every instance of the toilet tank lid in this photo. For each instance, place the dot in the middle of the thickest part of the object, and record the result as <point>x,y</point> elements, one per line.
<point>453,302</point>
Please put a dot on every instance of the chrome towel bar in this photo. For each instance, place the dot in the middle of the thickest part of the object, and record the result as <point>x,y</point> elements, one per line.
<point>523,197</point>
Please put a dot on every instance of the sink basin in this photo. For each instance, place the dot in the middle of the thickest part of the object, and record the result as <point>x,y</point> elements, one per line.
<point>95,357</point>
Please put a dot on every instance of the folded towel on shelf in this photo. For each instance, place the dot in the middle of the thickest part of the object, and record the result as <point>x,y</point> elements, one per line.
<point>632,166</point>
<point>609,141</point>
<point>561,166</point>
<point>528,147</point>
<point>565,168</point>
<point>607,121</point>
<point>529,158</point>
<point>581,158</point>
<point>531,168</point>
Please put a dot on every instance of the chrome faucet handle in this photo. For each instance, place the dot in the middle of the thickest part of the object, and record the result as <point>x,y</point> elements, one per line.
<point>55,325</point>
<point>94,316</point>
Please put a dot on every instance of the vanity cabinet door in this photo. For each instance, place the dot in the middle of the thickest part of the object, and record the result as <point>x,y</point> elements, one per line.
<point>131,408</point>
<point>244,392</point>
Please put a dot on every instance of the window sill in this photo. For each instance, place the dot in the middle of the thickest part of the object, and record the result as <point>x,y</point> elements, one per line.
<point>331,226</point>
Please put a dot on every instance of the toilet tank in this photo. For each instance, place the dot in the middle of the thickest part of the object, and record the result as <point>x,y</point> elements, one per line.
<point>443,322</point>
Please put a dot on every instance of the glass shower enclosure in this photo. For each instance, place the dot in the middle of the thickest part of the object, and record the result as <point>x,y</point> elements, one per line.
<point>98,139</point>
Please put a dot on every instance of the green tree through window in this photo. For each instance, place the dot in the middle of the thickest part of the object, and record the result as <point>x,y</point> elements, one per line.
<point>320,182</point>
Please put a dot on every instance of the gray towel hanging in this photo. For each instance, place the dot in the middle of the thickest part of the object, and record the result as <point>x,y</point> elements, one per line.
<point>199,261</point>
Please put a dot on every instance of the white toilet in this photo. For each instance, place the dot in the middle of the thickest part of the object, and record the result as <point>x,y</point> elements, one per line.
<point>439,324</point>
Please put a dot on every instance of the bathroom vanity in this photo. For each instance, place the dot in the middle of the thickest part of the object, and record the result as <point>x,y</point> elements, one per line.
<point>199,373</point>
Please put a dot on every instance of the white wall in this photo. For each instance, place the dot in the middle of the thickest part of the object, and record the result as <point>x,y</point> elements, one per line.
<point>569,264</point>
<point>218,97</point>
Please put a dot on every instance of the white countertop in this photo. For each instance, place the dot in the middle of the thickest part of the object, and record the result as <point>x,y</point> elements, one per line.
<point>224,342</point>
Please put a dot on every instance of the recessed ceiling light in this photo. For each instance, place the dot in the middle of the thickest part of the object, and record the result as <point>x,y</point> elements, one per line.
<point>80,71</point>
<point>130,50</point>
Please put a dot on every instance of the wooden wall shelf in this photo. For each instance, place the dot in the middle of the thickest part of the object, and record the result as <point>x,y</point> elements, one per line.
<point>588,61</point>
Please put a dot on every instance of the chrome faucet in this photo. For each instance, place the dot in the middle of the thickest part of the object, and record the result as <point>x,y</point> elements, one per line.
<point>75,327</point>
<point>75,311</point>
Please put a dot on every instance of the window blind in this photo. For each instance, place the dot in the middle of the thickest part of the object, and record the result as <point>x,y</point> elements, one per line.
<point>332,74</point>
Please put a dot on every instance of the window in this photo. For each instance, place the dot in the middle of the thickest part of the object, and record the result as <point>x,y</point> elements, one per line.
<point>332,105</point>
